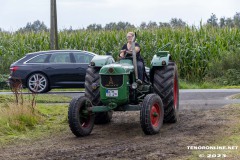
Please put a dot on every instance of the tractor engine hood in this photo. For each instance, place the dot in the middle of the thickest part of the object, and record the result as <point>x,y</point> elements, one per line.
<point>116,69</point>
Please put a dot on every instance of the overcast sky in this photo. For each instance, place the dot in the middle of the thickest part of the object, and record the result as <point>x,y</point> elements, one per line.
<point>80,13</point>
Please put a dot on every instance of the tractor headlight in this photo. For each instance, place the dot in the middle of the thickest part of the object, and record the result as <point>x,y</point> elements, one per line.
<point>110,70</point>
<point>92,64</point>
<point>163,63</point>
<point>134,85</point>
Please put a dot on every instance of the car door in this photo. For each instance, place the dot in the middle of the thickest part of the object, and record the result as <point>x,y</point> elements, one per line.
<point>60,70</point>
<point>82,60</point>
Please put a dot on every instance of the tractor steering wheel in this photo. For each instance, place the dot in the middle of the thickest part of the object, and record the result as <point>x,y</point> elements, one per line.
<point>125,55</point>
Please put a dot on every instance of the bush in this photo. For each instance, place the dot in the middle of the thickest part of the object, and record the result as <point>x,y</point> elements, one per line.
<point>226,71</point>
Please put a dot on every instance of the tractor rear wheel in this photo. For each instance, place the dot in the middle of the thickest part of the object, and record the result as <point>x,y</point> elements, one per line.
<point>81,121</point>
<point>151,114</point>
<point>165,84</point>
<point>92,83</point>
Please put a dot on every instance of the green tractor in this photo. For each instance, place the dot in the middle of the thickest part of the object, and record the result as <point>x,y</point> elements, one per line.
<point>114,86</point>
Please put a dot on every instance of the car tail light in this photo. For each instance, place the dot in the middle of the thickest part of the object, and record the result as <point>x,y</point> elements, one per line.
<point>13,69</point>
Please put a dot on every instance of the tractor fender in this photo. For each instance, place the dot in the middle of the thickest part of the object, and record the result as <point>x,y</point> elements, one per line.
<point>160,60</point>
<point>101,60</point>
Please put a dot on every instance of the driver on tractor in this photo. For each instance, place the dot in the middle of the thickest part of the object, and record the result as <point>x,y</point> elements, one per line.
<point>126,52</point>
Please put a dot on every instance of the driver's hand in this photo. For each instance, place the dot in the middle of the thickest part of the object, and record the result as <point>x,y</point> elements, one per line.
<point>123,51</point>
<point>129,52</point>
<point>122,54</point>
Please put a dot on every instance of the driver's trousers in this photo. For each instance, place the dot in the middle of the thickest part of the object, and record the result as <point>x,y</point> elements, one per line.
<point>140,67</point>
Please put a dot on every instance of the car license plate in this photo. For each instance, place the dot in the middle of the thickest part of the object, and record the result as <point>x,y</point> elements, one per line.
<point>112,93</point>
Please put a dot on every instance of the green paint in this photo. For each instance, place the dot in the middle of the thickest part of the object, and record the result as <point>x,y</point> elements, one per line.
<point>118,68</point>
<point>100,109</point>
<point>122,93</point>
<point>100,60</point>
<point>115,107</point>
<point>158,59</point>
<point>162,53</point>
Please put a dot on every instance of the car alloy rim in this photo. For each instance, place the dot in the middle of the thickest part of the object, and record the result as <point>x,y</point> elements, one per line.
<point>37,82</point>
<point>155,114</point>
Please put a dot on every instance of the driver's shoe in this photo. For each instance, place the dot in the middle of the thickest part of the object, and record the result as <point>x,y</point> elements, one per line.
<point>139,81</point>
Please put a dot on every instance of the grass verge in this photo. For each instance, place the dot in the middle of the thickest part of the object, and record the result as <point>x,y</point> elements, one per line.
<point>203,85</point>
<point>53,90</point>
<point>17,124</point>
<point>21,118</point>
<point>236,96</point>
<point>229,138</point>
<point>40,98</point>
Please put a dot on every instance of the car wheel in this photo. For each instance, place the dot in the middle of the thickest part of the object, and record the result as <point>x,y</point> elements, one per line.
<point>38,83</point>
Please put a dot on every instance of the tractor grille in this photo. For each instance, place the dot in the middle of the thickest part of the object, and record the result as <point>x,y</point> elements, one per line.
<point>112,81</point>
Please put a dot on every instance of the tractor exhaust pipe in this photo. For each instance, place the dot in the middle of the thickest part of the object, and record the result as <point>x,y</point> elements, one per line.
<point>134,56</point>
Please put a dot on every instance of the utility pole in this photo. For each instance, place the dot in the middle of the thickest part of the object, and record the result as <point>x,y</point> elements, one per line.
<point>53,29</point>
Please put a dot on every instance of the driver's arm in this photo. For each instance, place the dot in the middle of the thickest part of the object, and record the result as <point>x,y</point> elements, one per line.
<point>137,49</point>
<point>122,53</point>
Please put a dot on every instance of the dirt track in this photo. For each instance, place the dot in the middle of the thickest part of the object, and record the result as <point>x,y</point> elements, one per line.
<point>124,139</point>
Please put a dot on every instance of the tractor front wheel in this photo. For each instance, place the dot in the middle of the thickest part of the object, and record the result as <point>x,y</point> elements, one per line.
<point>151,114</point>
<point>81,121</point>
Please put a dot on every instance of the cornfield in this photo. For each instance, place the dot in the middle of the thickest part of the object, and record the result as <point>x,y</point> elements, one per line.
<point>193,49</point>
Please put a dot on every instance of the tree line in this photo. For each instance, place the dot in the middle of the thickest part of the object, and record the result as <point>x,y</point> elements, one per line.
<point>38,26</point>
<point>224,22</point>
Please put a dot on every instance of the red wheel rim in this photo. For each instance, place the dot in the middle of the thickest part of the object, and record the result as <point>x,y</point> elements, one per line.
<point>155,115</point>
<point>85,118</point>
<point>175,92</point>
<point>85,122</point>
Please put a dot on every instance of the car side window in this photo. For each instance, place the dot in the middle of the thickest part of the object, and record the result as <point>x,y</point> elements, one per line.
<point>38,59</point>
<point>82,57</point>
<point>60,58</point>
